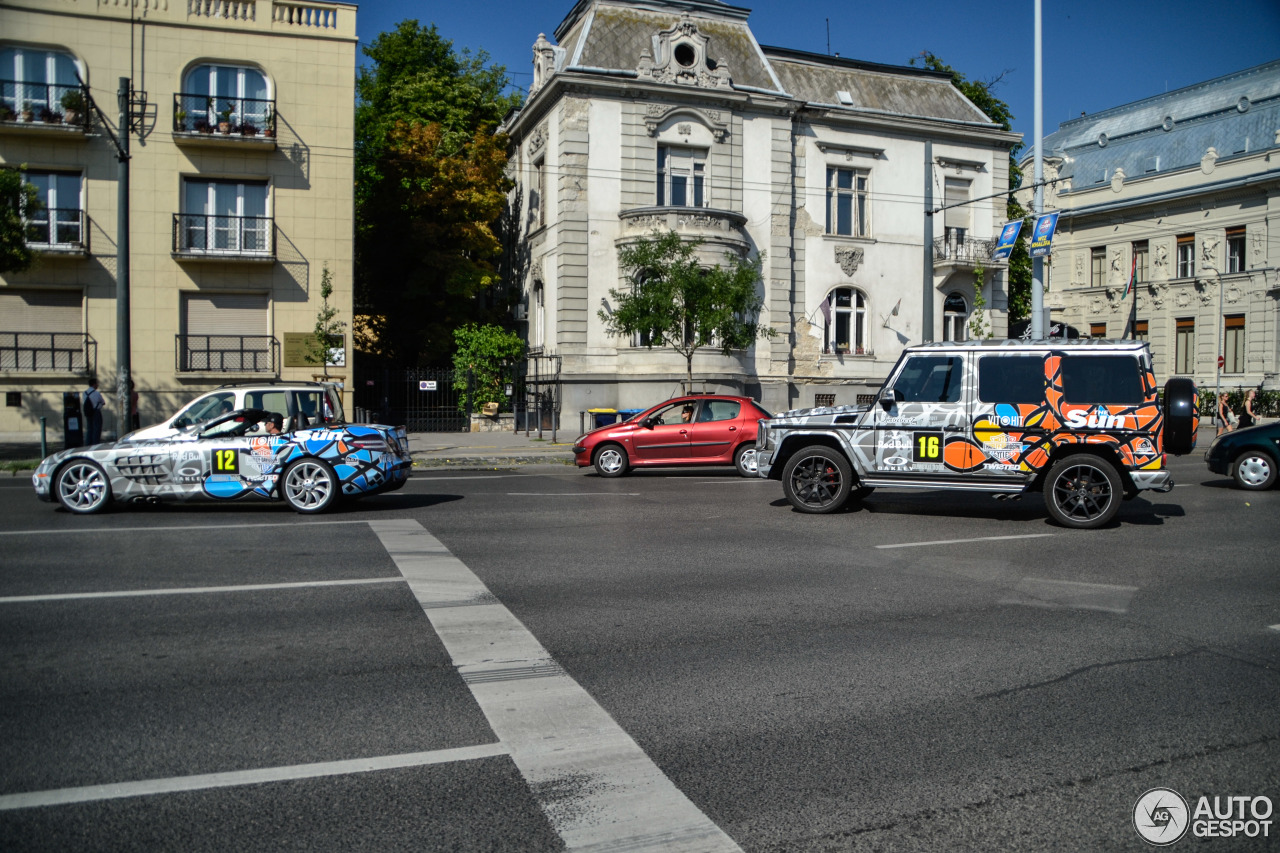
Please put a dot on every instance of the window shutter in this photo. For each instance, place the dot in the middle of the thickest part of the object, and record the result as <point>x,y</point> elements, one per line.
<point>42,311</point>
<point>227,314</point>
<point>956,192</point>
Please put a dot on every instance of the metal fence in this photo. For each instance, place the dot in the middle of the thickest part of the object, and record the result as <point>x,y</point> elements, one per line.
<point>56,228</point>
<point>227,353</point>
<point>31,351</point>
<point>44,103</point>
<point>194,113</point>
<point>200,233</point>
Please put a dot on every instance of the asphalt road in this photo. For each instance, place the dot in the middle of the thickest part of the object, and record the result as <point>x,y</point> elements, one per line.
<point>667,661</point>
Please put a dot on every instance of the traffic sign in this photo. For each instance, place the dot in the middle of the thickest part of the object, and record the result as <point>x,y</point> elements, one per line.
<point>427,385</point>
<point>1222,361</point>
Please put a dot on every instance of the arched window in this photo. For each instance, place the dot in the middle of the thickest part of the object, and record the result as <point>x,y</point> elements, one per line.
<point>210,92</point>
<point>955,316</point>
<point>845,331</point>
<point>35,79</point>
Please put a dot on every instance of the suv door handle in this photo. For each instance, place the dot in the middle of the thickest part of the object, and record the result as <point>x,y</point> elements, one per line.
<point>951,428</point>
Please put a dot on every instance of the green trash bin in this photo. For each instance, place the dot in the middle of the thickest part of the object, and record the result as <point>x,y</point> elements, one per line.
<point>604,417</point>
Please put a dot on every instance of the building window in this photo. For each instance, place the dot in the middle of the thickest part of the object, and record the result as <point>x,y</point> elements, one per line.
<point>955,314</point>
<point>225,217</point>
<point>538,192</point>
<point>682,177</point>
<point>1097,330</point>
<point>848,202</point>
<point>957,217</point>
<point>1140,255</point>
<point>226,333</point>
<point>1140,330</point>
<point>210,92</point>
<point>58,223</point>
<point>1186,256</point>
<point>36,80</point>
<point>1235,249</point>
<point>845,331</point>
<point>1184,354</point>
<point>824,400</point>
<point>1233,344</point>
<point>1097,266</point>
<point>43,330</point>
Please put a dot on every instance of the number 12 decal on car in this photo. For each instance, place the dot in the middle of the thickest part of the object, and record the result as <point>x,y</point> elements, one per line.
<point>226,461</point>
<point>926,447</point>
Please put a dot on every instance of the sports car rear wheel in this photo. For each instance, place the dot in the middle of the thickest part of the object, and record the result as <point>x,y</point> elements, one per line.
<point>309,485</point>
<point>82,486</point>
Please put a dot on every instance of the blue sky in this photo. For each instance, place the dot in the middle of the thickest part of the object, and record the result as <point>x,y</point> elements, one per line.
<point>1097,54</point>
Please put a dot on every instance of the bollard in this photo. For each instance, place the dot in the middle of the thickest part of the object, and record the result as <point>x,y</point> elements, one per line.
<point>44,445</point>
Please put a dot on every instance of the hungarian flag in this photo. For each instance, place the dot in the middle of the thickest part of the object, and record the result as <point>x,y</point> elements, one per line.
<point>1133,276</point>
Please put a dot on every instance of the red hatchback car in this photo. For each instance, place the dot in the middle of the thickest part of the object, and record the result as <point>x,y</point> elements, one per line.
<point>696,429</point>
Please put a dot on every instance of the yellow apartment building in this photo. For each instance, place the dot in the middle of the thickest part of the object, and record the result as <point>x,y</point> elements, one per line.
<point>240,194</point>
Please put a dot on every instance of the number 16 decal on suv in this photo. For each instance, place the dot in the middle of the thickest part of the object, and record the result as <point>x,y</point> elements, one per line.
<point>1080,421</point>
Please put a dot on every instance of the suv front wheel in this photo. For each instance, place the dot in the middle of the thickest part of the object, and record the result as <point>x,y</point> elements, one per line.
<point>817,479</point>
<point>1083,492</point>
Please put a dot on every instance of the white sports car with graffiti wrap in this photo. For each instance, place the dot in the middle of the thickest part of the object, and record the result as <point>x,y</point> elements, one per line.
<point>309,469</point>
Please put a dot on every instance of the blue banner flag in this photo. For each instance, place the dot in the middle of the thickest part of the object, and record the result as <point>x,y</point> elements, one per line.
<point>1042,236</point>
<point>1008,239</point>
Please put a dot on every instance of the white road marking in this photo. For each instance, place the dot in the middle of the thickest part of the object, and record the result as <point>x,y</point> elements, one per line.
<point>573,494</point>
<point>560,738</point>
<point>1077,595</point>
<point>1275,627</point>
<point>101,530</point>
<point>145,787</point>
<point>192,590</point>
<point>961,541</point>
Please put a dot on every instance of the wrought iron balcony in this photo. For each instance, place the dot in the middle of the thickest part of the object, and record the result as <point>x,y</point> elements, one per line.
<point>215,119</point>
<point>227,354</point>
<point>963,251</point>
<point>34,352</point>
<point>57,230</point>
<point>200,235</point>
<point>44,106</point>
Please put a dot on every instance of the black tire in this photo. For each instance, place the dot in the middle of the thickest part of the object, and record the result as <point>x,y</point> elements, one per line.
<point>1181,416</point>
<point>744,459</point>
<point>1083,491</point>
<point>1254,470</point>
<point>817,479</point>
<point>82,487</point>
<point>610,460</point>
<point>309,486</point>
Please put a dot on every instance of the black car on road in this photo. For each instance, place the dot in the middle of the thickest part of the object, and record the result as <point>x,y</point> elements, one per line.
<point>1250,456</point>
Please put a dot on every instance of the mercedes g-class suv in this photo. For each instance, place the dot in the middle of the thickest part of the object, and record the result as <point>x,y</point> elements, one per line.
<point>1080,421</point>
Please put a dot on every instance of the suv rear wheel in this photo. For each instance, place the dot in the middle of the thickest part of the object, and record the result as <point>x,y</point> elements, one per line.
<point>817,479</point>
<point>1083,492</point>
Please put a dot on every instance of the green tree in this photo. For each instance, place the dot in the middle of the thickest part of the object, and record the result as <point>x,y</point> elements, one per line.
<point>430,190</point>
<point>328,332</point>
<point>479,358</point>
<point>678,303</point>
<point>18,201</point>
<point>982,94</point>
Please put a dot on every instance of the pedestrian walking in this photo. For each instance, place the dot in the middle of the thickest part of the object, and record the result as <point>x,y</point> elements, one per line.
<point>1223,416</point>
<point>92,405</point>
<point>1248,417</point>
<point>135,422</point>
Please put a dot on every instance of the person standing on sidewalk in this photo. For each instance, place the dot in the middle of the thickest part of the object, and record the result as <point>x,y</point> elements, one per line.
<point>93,404</point>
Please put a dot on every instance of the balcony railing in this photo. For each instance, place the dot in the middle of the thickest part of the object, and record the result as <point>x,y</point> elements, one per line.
<point>227,354</point>
<point>44,104</point>
<point>69,352</point>
<point>200,234</point>
<point>223,116</point>
<point>965,250</point>
<point>57,229</point>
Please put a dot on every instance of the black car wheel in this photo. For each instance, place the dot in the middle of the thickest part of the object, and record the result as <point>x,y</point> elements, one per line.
<point>1083,492</point>
<point>745,460</point>
<point>817,479</point>
<point>1254,470</point>
<point>610,461</point>
<point>309,485</point>
<point>82,486</point>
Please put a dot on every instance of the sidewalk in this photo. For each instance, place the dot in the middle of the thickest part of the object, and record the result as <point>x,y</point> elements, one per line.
<point>460,450</point>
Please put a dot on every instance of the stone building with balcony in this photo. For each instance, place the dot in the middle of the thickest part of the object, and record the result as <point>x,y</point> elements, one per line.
<point>669,115</point>
<point>1181,190</point>
<point>241,193</point>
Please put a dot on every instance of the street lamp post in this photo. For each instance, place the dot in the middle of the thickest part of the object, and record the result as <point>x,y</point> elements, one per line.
<point>1221,355</point>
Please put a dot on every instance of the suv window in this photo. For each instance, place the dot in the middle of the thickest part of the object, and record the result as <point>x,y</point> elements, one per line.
<point>1101,379</point>
<point>1011,379</point>
<point>930,379</point>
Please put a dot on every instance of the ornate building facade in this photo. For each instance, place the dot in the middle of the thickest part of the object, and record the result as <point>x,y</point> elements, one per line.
<point>1181,190</point>
<point>669,115</point>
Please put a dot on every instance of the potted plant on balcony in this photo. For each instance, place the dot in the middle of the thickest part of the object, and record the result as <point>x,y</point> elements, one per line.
<point>842,348</point>
<point>28,112</point>
<point>248,129</point>
<point>72,105</point>
<point>48,116</point>
<point>180,120</point>
<point>6,113</point>
<point>224,118</point>
<point>269,123</point>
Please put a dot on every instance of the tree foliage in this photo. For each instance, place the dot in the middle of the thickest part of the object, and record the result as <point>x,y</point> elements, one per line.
<point>430,190</point>
<point>678,303</point>
<point>982,94</point>
<point>18,201</point>
<point>328,332</point>
<point>479,358</point>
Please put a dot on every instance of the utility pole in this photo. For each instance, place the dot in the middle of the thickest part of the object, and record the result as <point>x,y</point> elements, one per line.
<point>926,314</point>
<point>123,340</point>
<point>1037,264</point>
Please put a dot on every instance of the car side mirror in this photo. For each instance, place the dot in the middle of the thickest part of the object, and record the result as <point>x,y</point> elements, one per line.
<point>182,423</point>
<point>889,399</point>
<point>647,423</point>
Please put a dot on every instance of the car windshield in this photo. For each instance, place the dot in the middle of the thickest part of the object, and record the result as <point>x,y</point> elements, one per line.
<point>205,409</point>
<point>234,423</point>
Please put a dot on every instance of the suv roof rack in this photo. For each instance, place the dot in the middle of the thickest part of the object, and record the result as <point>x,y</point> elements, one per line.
<point>274,382</point>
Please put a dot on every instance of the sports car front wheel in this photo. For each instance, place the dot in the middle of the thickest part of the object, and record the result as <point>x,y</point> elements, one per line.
<point>309,485</point>
<point>82,486</point>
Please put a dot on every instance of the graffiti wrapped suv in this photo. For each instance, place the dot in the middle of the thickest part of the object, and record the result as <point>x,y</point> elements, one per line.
<point>1081,421</point>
